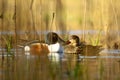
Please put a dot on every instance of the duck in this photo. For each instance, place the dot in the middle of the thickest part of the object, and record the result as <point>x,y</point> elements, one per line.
<point>36,49</point>
<point>76,46</point>
<point>73,45</point>
<point>53,45</point>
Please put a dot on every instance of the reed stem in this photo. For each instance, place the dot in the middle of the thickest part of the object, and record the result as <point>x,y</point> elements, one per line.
<point>2,29</point>
<point>14,18</point>
<point>53,16</point>
<point>33,22</point>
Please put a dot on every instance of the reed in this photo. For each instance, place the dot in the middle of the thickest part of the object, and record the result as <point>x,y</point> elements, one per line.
<point>33,21</point>
<point>14,18</point>
<point>95,41</point>
<point>8,39</point>
<point>66,36</point>
<point>2,17</point>
<point>53,16</point>
<point>2,42</point>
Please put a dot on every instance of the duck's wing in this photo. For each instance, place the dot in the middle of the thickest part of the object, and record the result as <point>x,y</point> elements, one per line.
<point>69,49</point>
<point>34,41</point>
<point>90,50</point>
<point>23,44</point>
<point>72,49</point>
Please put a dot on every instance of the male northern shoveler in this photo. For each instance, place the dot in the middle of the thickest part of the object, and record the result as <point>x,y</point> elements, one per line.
<point>36,49</point>
<point>53,45</point>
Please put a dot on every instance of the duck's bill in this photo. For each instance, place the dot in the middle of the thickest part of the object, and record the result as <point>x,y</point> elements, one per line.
<point>68,42</point>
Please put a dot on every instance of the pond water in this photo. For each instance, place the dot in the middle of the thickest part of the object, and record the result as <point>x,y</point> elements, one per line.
<point>71,32</point>
<point>106,66</point>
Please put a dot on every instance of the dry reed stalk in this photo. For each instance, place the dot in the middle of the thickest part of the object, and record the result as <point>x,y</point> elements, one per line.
<point>51,25</point>
<point>115,17</point>
<point>2,28</point>
<point>103,23</point>
<point>84,22</point>
<point>33,22</point>
<point>14,18</point>
<point>41,19</point>
<point>52,21</point>
<point>2,41</point>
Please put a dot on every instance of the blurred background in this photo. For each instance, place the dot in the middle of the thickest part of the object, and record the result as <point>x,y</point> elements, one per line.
<point>92,20</point>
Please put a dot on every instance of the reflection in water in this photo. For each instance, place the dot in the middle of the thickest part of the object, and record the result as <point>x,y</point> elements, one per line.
<point>55,57</point>
<point>59,67</point>
<point>27,53</point>
<point>110,51</point>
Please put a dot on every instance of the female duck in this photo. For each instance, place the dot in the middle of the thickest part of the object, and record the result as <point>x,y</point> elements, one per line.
<point>74,45</point>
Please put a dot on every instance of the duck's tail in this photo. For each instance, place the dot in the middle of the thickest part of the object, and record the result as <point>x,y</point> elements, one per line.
<point>28,43</point>
<point>34,41</point>
<point>21,46</point>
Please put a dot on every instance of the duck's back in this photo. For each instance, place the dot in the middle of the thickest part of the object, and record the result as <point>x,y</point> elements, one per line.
<point>37,49</point>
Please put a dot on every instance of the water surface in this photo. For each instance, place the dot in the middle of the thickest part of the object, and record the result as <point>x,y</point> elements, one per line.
<point>70,67</point>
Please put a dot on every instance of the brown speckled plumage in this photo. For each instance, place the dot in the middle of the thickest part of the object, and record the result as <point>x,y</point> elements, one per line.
<point>77,47</point>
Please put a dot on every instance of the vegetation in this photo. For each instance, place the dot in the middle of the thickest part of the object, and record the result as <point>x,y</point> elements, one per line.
<point>30,20</point>
<point>35,17</point>
<point>95,41</point>
<point>8,44</point>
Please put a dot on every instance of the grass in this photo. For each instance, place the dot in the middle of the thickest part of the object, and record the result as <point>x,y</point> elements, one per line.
<point>95,41</point>
<point>8,44</point>
<point>55,71</point>
<point>66,36</point>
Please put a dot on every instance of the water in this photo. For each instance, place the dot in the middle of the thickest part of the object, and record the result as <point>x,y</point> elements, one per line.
<point>71,32</point>
<point>70,67</point>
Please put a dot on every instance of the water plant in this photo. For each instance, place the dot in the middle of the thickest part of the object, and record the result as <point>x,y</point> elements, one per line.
<point>8,44</point>
<point>66,36</point>
<point>95,40</point>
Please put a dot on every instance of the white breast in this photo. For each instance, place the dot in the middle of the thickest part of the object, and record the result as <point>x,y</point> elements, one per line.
<point>55,48</point>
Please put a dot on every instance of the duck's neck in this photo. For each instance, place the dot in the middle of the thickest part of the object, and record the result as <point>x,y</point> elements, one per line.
<point>78,44</point>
